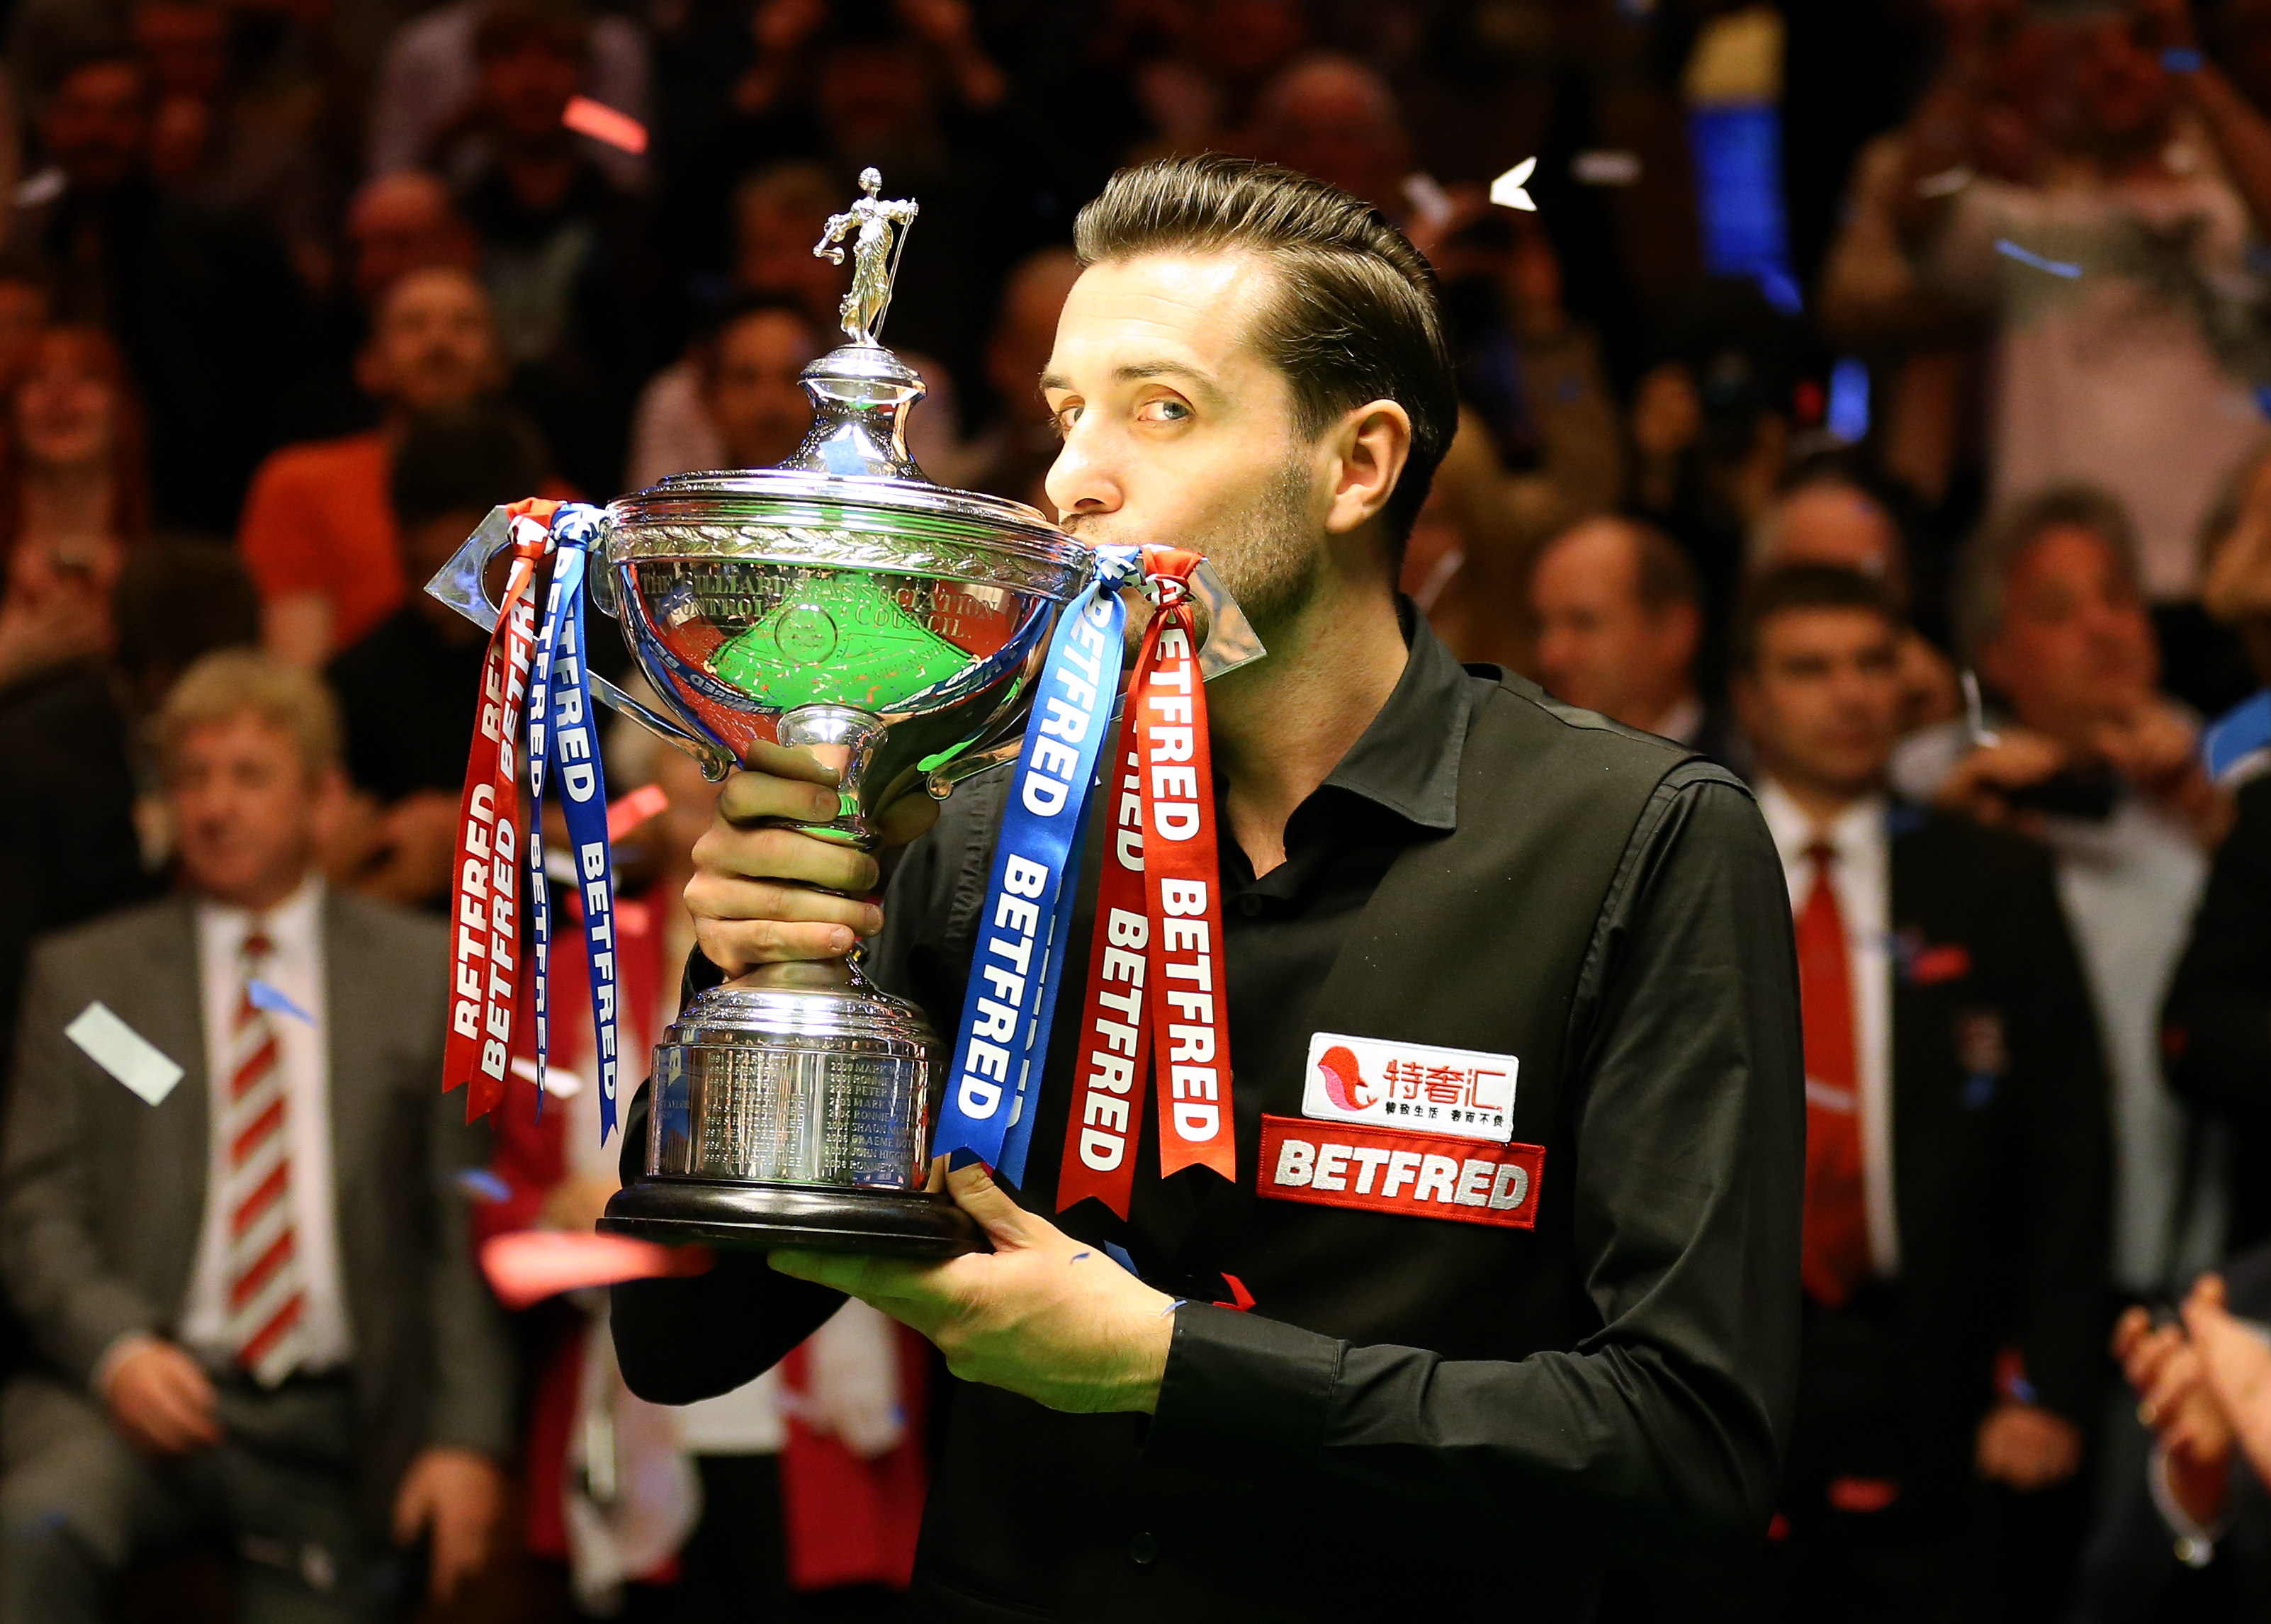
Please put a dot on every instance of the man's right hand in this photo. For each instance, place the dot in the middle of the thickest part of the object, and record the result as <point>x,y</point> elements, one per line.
<point>161,1400</point>
<point>762,893</point>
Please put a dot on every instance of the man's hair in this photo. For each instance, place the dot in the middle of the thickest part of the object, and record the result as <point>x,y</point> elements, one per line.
<point>1985,572</point>
<point>464,459</point>
<point>1787,588</point>
<point>509,25</point>
<point>234,682</point>
<point>1663,574</point>
<point>1355,316</point>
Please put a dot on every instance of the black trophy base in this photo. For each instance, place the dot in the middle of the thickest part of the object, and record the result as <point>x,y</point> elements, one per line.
<point>763,1217</point>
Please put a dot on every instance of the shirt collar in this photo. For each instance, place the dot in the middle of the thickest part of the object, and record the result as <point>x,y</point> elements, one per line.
<point>290,923</point>
<point>1407,760</point>
<point>1849,833</point>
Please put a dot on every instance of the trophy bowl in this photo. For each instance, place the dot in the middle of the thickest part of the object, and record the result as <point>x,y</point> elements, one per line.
<point>892,629</point>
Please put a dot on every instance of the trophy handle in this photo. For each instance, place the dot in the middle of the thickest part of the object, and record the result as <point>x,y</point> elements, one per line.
<point>462,584</point>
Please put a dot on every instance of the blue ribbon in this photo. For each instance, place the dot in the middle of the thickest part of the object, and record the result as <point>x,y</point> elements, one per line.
<point>1003,1040</point>
<point>560,714</point>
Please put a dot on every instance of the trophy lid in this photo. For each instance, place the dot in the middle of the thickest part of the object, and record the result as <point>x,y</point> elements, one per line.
<point>853,479</point>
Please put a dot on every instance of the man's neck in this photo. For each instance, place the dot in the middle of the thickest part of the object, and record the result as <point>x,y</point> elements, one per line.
<point>264,896</point>
<point>1280,726</point>
<point>1823,803</point>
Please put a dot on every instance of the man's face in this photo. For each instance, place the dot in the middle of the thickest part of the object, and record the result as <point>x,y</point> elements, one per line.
<point>753,395</point>
<point>426,545</point>
<point>2121,89</point>
<point>96,122</point>
<point>526,87</point>
<point>1823,705</point>
<point>773,254</point>
<point>66,407</point>
<point>1598,646</point>
<point>1831,524</point>
<point>245,810</point>
<point>435,344</point>
<point>402,223</point>
<point>1178,433</point>
<point>185,45</point>
<point>2075,647</point>
<point>874,98</point>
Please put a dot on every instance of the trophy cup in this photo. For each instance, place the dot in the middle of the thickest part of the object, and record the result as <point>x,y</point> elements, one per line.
<point>843,604</point>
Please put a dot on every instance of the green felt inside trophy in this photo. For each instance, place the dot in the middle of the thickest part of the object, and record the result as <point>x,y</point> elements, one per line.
<point>842,639</point>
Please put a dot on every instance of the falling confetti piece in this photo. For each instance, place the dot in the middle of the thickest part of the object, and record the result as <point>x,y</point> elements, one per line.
<point>1172,1307</point>
<point>1076,1257</point>
<point>532,1264</point>
<point>274,999</point>
<point>483,1185</point>
<point>635,809</point>
<point>1506,192</point>
<point>602,123</point>
<point>1605,168</point>
<point>2028,257</point>
<point>2181,59</point>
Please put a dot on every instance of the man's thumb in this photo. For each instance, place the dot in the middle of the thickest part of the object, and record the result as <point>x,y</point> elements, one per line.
<point>975,1191</point>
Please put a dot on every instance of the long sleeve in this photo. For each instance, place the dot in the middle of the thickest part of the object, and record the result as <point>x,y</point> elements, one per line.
<point>473,1357</point>
<point>1662,1429</point>
<point>58,1276</point>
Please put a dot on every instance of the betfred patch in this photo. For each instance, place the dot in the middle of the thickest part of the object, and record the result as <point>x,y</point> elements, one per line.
<point>1385,1169</point>
<point>1414,1087</point>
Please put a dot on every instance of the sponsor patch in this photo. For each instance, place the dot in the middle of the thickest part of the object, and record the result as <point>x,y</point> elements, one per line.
<point>1387,1170</point>
<point>1414,1087</point>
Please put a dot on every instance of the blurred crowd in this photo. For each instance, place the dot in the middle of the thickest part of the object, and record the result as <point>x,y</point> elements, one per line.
<point>1878,399</point>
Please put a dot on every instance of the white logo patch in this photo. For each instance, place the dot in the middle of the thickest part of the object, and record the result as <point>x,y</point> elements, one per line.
<point>1411,1086</point>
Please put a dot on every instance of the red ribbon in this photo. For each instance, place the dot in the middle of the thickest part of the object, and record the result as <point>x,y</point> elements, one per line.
<point>1159,930</point>
<point>485,954</point>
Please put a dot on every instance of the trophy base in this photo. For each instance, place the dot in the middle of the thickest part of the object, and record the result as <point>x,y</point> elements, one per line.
<point>763,1217</point>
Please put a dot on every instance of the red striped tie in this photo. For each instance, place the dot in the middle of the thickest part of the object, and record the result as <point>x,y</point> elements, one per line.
<point>266,1302</point>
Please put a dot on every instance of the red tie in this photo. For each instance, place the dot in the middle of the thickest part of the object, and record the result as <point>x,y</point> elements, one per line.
<point>265,1300</point>
<point>1835,1257</point>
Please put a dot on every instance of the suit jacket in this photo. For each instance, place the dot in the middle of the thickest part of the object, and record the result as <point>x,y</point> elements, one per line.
<point>2002,1146</point>
<point>102,1196</point>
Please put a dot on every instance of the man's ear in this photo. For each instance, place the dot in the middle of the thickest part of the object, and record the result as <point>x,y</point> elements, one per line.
<point>1371,444</point>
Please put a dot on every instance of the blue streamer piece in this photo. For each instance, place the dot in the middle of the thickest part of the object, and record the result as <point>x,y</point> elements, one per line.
<point>2182,59</point>
<point>2028,257</point>
<point>2239,734</point>
<point>560,718</point>
<point>275,999</point>
<point>1002,1040</point>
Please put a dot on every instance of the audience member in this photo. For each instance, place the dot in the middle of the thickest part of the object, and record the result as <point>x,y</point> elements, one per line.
<point>1957,1151</point>
<point>1330,115</point>
<point>252,1300</point>
<point>409,687</point>
<point>2104,261</point>
<point>198,297</point>
<point>73,477</point>
<point>1013,449</point>
<point>1826,518</point>
<point>318,534</point>
<point>2099,764</point>
<point>80,833</point>
<point>564,246</point>
<point>733,402</point>
<point>431,75</point>
<point>1619,618</point>
<point>778,214</point>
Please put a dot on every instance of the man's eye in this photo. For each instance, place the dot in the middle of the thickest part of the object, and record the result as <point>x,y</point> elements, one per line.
<point>1163,412</point>
<point>1064,418</point>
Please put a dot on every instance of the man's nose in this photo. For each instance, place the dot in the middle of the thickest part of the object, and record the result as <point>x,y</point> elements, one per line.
<point>1080,483</point>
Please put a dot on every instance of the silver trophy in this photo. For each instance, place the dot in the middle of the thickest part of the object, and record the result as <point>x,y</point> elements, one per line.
<point>843,604</point>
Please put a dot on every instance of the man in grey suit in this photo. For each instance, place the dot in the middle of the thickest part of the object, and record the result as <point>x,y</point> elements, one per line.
<point>247,1280</point>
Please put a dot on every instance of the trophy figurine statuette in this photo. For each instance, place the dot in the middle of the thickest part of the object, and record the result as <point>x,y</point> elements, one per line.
<point>843,604</point>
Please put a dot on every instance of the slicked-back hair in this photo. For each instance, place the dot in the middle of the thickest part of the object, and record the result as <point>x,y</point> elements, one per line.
<point>1355,316</point>
<point>1786,589</point>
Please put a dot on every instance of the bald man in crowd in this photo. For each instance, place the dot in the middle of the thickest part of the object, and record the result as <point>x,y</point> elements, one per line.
<point>317,534</point>
<point>1619,616</point>
<point>1826,518</point>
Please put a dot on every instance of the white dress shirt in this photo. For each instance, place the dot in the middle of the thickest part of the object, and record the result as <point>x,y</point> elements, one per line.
<point>295,969</point>
<point>1862,875</point>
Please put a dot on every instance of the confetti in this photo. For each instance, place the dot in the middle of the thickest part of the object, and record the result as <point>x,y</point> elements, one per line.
<point>266,995</point>
<point>2028,257</point>
<point>1506,191</point>
<point>125,1054</point>
<point>2181,59</point>
<point>1605,168</point>
<point>532,1264</point>
<point>1076,1257</point>
<point>602,123</point>
<point>635,809</point>
<point>483,1185</point>
<point>1172,1307</point>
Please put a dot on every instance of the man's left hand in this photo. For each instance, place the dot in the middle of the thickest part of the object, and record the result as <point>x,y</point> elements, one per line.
<point>455,1493</point>
<point>2028,1447</point>
<point>1041,1315</point>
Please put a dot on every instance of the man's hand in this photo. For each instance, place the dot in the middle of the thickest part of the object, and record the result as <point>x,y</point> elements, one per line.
<point>2157,749</point>
<point>2028,1447</point>
<point>161,1400</point>
<point>455,1493</point>
<point>1042,1315</point>
<point>2164,1370</point>
<point>1980,786</point>
<point>2235,1363</point>
<point>753,894</point>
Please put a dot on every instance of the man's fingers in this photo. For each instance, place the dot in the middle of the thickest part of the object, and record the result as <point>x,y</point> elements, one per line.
<point>776,853</point>
<point>736,948</point>
<point>725,901</point>
<point>410,1510</point>
<point>1006,1224</point>
<point>764,789</point>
